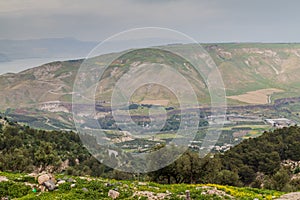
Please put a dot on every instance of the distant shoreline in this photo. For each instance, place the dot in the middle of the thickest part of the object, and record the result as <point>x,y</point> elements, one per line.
<point>19,65</point>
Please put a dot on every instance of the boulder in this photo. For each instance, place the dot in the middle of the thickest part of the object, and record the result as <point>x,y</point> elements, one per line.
<point>113,194</point>
<point>50,185</point>
<point>3,178</point>
<point>43,178</point>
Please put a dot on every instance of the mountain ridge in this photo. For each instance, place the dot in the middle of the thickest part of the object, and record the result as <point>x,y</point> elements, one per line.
<point>244,68</point>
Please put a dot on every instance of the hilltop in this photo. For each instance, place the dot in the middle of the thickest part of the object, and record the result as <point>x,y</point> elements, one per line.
<point>244,68</point>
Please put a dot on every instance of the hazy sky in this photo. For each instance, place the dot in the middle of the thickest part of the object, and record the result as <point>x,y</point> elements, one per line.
<point>204,20</point>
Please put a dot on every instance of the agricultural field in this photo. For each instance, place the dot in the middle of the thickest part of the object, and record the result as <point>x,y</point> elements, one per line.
<point>257,97</point>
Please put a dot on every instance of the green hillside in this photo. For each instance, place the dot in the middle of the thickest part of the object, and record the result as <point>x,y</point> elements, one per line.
<point>253,74</point>
<point>244,68</point>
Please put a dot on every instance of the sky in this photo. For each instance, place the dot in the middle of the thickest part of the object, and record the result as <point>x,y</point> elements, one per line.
<point>203,20</point>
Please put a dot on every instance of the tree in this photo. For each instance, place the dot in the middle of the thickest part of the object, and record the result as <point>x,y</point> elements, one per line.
<point>226,177</point>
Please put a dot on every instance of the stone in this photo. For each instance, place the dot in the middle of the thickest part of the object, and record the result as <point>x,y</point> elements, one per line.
<point>64,165</point>
<point>290,196</point>
<point>43,178</point>
<point>50,185</point>
<point>85,189</point>
<point>73,185</point>
<point>60,182</point>
<point>142,183</point>
<point>42,188</point>
<point>3,178</point>
<point>113,194</point>
<point>188,195</point>
<point>109,185</point>
<point>70,180</point>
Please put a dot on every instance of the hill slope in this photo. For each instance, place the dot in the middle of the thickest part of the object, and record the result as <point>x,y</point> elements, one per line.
<point>252,74</point>
<point>244,68</point>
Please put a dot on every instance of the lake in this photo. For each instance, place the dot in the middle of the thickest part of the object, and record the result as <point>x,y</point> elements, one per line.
<point>19,65</point>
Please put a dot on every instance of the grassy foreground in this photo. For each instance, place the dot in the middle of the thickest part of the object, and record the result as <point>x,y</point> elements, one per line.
<point>20,186</point>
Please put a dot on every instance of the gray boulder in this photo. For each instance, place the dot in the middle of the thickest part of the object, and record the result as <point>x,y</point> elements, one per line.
<point>50,185</point>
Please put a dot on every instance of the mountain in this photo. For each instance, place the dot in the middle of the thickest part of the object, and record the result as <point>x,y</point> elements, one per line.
<point>253,74</point>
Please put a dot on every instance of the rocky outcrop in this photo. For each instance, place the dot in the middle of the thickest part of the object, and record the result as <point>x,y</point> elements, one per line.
<point>46,181</point>
<point>50,185</point>
<point>290,196</point>
<point>113,194</point>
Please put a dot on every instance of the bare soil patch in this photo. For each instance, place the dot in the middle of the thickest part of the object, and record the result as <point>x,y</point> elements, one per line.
<point>161,102</point>
<point>256,97</point>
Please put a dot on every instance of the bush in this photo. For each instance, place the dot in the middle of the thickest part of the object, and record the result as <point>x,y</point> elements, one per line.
<point>13,190</point>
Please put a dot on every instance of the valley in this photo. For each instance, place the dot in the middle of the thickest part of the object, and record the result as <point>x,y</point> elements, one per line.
<point>261,82</point>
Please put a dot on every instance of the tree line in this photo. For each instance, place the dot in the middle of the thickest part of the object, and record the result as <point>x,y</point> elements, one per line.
<point>255,162</point>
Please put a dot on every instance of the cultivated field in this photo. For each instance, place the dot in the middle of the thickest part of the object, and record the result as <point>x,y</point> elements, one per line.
<point>262,96</point>
<point>161,102</point>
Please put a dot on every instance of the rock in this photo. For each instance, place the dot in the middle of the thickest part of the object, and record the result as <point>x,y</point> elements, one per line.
<point>113,194</point>
<point>290,196</point>
<point>142,183</point>
<point>109,185</point>
<point>42,188</point>
<point>43,178</point>
<point>151,195</point>
<point>73,185</point>
<point>64,165</point>
<point>33,174</point>
<point>3,178</point>
<point>188,195</point>
<point>61,182</point>
<point>70,180</point>
<point>50,185</point>
<point>85,189</point>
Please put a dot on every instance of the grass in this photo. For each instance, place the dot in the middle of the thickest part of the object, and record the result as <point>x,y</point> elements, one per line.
<point>97,188</point>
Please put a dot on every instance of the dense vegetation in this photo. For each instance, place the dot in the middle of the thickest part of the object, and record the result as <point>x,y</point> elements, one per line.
<point>255,162</point>
<point>24,149</point>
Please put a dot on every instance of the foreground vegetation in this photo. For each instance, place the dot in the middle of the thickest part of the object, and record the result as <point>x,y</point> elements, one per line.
<point>256,163</point>
<point>20,186</point>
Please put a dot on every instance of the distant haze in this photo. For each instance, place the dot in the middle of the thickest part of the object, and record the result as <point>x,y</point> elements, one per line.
<point>73,25</point>
<point>206,21</point>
